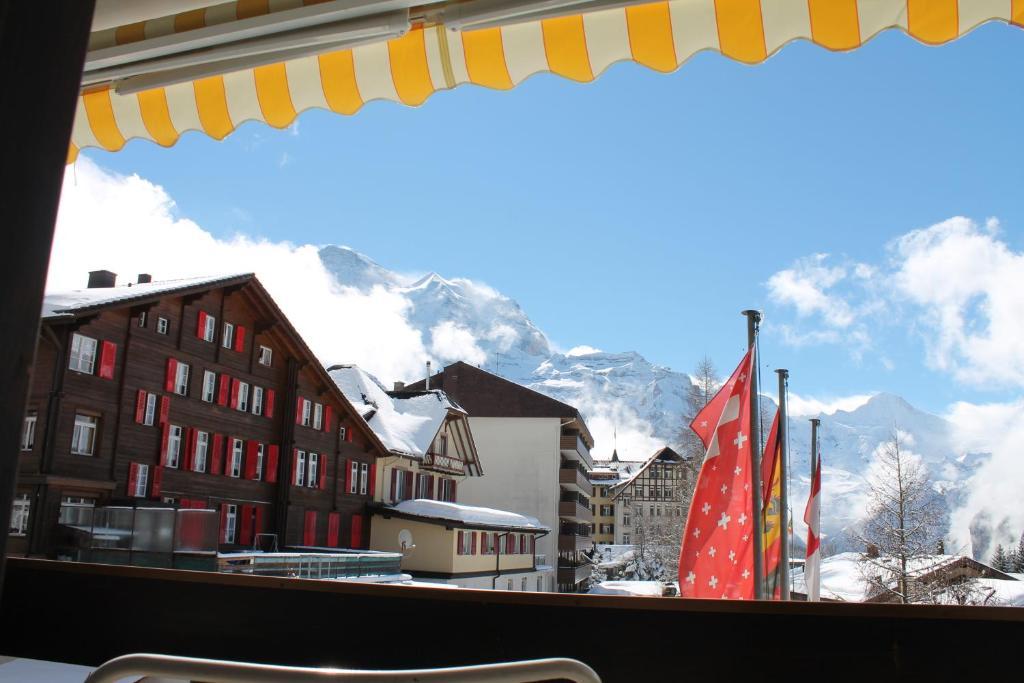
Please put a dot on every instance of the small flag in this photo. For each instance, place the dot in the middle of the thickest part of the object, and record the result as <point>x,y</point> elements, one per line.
<point>716,559</point>
<point>771,510</point>
<point>812,516</point>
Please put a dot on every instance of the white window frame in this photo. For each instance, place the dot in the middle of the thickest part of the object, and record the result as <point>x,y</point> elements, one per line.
<point>209,386</point>
<point>318,416</point>
<point>353,475</point>
<point>307,409</point>
<point>364,478</point>
<point>341,433</point>
<point>257,400</point>
<point>181,374</point>
<point>266,356</point>
<point>28,432</point>
<point>314,470</point>
<point>83,438</point>
<point>260,448</point>
<point>444,489</point>
<point>230,522</point>
<point>163,325</point>
<point>300,468</point>
<point>421,485</point>
<point>141,480</point>
<point>175,435</point>
<point>237,451</point>
<point>467,543</point>
<point>487,544</point>
<point>227,338</point>
<point>83,354</point>
<point>210,331</point>
<point>149,415</point>
<point>21,509</point>
<point>142,318</point>
<point>243,397</point>
<point>199,458</point>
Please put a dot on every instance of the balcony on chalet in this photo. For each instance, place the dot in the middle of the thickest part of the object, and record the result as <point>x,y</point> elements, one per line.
<point>573,476</point>
<point>575,507</point>
<point>574,537</point>
<point>574,448</point>
<point>573,573</point>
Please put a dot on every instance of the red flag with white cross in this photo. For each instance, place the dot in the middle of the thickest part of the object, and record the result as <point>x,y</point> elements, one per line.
<point>717,557</point>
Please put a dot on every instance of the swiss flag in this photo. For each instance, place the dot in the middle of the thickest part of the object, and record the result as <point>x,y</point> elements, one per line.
<point>717,555</point>
<point>812,516</point>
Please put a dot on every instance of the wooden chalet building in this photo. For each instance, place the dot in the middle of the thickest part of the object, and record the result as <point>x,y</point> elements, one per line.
<point>196,393</point>
<point>651,499</point>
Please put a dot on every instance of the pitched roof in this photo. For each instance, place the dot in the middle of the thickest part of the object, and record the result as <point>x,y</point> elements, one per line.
<point>663,453</point>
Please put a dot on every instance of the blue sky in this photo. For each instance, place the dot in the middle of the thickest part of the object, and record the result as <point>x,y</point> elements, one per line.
<point>643,211</point>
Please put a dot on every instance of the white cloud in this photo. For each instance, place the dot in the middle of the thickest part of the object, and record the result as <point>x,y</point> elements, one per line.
<point>992,511</point>
<point>805,286</point>
<point>128,225</point>
<point>809,406</point>
<point>582,350</point>
<point>967,283</point>
<point>450,343</point>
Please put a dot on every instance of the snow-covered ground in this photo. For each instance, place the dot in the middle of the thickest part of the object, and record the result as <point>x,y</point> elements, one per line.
<point>645,589</point>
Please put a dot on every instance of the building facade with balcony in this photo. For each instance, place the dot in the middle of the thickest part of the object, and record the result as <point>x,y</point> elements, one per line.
<point>192,393</point>
<point>652,499</point>
<point>537,454</point>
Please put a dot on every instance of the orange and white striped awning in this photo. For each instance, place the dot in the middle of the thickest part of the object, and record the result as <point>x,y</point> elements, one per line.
<point>432,56</point>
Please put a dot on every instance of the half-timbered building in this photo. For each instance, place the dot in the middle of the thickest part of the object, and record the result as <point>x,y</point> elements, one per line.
<point>196,393</point>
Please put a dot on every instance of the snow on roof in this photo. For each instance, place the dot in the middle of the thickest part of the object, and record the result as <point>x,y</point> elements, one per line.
<point>406,425</point>
<point>56,304</point>
<point>468,514</point>
<point>1004,593</point>
<point>645,589</point>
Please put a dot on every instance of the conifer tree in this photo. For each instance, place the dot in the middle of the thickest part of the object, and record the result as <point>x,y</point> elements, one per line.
<point>1000,561</point>
<point>1018,557</point>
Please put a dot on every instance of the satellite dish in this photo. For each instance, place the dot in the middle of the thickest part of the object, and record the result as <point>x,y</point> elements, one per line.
<point>405,540</point>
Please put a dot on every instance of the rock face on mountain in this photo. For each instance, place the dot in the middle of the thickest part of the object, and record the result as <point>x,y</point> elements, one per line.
<point>617,392</point>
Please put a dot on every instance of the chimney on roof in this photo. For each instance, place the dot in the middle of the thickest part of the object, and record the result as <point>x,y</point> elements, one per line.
<point>428,375</point>
<point>145,278</point>
<point>101,278</point>
<point>399,386</point>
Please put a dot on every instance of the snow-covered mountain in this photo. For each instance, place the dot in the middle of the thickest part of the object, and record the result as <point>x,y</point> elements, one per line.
<point>641,403</point>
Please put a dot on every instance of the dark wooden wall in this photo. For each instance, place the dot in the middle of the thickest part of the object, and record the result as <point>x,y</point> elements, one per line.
<point>86,614</point>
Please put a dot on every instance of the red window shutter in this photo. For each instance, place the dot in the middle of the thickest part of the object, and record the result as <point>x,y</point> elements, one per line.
<point>201,325</point>
<point>394,484</point>
<point>373,480</point>
<point>459,541</point>
<point>271,475</point>
<point>235,385</point>
<point>108,353</point>
<point>295,465</point>
<point>430,486</point>
<point>190,447</point>
<point>133,478</point>
<point>245,534</point>
<point>472,543</point>
<point>454,488</point>
<point>172,371</point>
<point>348,435</point>
<point>260,522</point>
<point>156,482</point>
<point>163,443</point>
<point>298,410</point>
<point>268,403</point>
<point>222,393</point>
<point>165,409</point>
<point>357,531</point>
<point>140,407</point>
<point>217,460</point>
<point>239,338</point>
<point>348,476</point>
<point>309,529</point>
<point>250,458</point>
<point>494,543</point>
<point>333,525</point>
<point>408,486</point>
<point>328,413</point>
<point>322,467</point>
<point>223,522</point>
<point>533,544</point>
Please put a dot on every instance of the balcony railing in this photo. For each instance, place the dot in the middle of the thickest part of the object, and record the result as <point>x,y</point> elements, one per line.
<point>571,543</point>
<point>575,479</point>
<point>573,447</point>
<point>569,574</point>
<point>575,508</point>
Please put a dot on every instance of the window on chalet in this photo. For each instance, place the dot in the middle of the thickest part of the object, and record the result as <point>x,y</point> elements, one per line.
<point>83,439</point>
<point>625,539</point>
<point>364,478</point>
<point>307,410</point>
<point>442,445</point>
<point>181,379</point>
<point>28,432</point>
<point>465,542</point>
<point>243,397</point>
<point>625,520</point>
<point>446,490</point>
<point>83,354</point>
<point>260,450</point>
<point>163,326</point>
<point>174,439</point>
<point>149,412</point>
<point>76,510</point>
<point>318,416</point>
<point>19,515</point>
<point>509,584</point>
<point>314,470</point>
<point>209,326</point>
<point>423,486</point>
<point>235,466</point>
<point>202,449</point>
<point>142,318</point>
<point>300,468</point>
<point>266,356</point>
<point>487,545</point>
<point>353,476</point>
<point>257,400</point>
<point>229,518</point>
<point>341,433</point>
<point>227,339</point>
<point>401,485</point>
<point>140,481</point>
<point>209,386</point>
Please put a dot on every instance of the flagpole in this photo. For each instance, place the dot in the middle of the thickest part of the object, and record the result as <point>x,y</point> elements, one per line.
<point>784,483</point>
<point>814,468</point>
<point>753,318</point>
